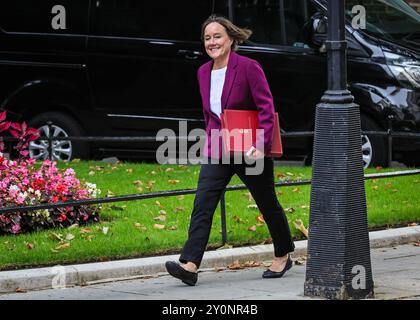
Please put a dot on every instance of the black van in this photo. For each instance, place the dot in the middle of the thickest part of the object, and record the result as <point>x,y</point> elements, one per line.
<point>128,68</point>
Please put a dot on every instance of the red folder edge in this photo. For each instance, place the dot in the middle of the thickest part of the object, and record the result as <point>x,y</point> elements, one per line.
<point>232,114</point>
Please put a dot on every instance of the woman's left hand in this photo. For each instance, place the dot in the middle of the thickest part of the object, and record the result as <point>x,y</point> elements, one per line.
<point>254,153</point>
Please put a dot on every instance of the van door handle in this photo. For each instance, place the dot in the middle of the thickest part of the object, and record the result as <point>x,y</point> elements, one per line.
<point>190,54</point>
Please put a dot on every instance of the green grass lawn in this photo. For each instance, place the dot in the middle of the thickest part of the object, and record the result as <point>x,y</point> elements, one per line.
<point>132,229</point>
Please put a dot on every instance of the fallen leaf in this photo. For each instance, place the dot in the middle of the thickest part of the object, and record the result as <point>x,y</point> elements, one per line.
<point>301,227</point>
<point>173,228</point>
<point>73,226</point>
<point>162,212</point>
<point>417,244</point>
<point>290,174</point>
<point>153,173</point>
<point>290,210</point>
<point>158,226</point>
<point>299,261</point>
<point>252,228</point>
<point>279,193</point>
<point>260,218</point>
<point>162,217</point>
<point>375,187</point>
<point>56,236</point>
<point>20,290</point>
<point>218,269</point>
<point>296,190</point>
<point>412,224</point>
<point>260,224</point>
<point>235,265</point>
<point>63,246</point>
<point>179,209</point>
<point>268,241</point>
<point>70,237</point>
<point>280,175</point>
<point>91,173</point>
<point>304,207</point>
<point>139,189</point>
<point>251,264</point>
<point>87,237</point>
<point>159,204</point>
<point>150,185</point>
<point>138,183</point>
<point>30,246</point>
<point>109,193</point>
<point>85,230</point>
<point>181,197</point>
<point>225,246</point>
<point>173,181</point>
<point>129,170</point>
<point>169,169</point>
<point>378,168</point>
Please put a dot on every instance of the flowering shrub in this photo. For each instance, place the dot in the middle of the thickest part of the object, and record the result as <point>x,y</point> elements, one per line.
<point>22,183</point>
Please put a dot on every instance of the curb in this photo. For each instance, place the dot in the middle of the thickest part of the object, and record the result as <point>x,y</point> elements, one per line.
<point>87,274</point>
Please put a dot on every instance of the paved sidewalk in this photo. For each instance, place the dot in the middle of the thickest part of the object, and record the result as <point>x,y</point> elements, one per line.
<point>396,275</point>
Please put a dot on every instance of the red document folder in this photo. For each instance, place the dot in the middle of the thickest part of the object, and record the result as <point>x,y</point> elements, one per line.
<point>246,122</point>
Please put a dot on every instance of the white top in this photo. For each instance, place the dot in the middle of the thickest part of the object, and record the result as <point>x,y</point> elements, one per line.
<point>216,89</point>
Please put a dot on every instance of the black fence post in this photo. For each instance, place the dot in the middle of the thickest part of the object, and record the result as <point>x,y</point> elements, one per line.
<point>389,135</point>
<point>223,217</point>
<point>50,137</point>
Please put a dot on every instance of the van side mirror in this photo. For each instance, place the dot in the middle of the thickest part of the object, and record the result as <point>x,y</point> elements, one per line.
<point>320,30</point>
<point>316,31</point>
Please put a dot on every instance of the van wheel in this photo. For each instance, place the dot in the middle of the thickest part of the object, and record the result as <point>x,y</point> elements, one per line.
<point>62,126</point>
<point>373,147</point>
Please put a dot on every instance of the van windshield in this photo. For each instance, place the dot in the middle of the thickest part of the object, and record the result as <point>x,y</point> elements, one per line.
<point>391,20</point>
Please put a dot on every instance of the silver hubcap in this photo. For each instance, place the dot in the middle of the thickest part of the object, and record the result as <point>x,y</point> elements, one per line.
<point>366,151</point>
<point>61,150</point>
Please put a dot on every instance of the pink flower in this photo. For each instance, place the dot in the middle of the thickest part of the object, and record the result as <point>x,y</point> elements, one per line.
<point>15,228</point>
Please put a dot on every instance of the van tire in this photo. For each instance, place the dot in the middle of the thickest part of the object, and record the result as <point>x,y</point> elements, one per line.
<point>80,150</point>
<point>377,143</point>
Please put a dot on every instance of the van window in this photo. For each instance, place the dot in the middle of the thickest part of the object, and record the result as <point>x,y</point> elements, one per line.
<point>174,20</point>
<point>221,7</point>
<point>297,13</point>
<point>37,17</point>
<point>262,17</point>
<point>391,20</point>
<point>274,22</point>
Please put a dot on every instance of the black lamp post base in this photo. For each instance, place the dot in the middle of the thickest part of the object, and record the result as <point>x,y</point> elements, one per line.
<point>339,265</point>
<point>339,293</point>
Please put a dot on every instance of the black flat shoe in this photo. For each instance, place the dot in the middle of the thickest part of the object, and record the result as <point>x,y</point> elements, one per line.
<point>272,274</point>
<point>175,270</point>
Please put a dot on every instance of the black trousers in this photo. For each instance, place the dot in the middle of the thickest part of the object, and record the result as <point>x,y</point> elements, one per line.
<point>211,184</point>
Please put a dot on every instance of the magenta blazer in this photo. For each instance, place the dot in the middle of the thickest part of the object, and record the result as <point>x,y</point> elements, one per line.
<point>245,87</point>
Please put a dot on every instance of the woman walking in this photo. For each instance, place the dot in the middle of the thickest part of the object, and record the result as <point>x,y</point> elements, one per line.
<point>231,81</point>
